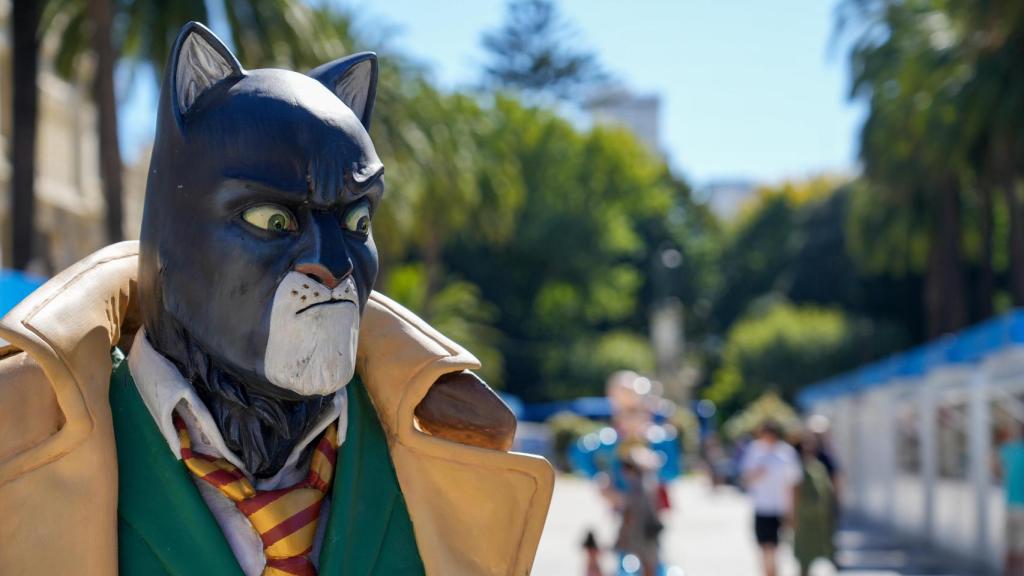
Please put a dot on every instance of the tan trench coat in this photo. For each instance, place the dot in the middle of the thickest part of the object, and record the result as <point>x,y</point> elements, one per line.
<point>475,511</point>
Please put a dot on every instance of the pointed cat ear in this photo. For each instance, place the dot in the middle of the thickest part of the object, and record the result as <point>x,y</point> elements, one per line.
<point>198,62</point>
<point>354,80</point>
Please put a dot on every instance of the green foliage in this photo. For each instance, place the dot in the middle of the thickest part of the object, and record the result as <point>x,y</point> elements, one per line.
<point>767,407</point>
<point>944,135</point>
<point>691,237</point>
<point>542,247</point>
<point>566,275</point>
<point>784,347</point>
<point>883,237</point>
<point>559,234</point>
<point>459,312</point>
<point>581,368</point>
<point>281,33</point>
<point>779,232</point>
<point>514,232</point>
<point>757,251</point>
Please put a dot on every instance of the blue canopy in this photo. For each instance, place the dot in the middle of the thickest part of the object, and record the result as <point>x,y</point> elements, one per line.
<point>967,346</point>
<point>15,286</point>
<point>594,407</point>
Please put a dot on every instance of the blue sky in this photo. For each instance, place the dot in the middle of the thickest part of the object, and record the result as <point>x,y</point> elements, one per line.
<point>750,89</point>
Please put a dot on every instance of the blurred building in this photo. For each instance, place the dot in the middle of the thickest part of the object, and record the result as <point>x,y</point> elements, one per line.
<point>918,435</point>
<point>726,197</point>
<point>640,114</point>
<point>69,197</point>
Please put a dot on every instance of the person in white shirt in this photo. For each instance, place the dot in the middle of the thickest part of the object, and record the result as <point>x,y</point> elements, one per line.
<point>770,468</point>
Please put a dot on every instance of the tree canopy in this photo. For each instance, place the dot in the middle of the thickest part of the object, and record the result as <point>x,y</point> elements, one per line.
<point>543,245</point>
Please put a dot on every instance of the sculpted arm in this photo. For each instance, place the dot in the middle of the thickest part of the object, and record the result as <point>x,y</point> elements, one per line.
<point>462,408</point>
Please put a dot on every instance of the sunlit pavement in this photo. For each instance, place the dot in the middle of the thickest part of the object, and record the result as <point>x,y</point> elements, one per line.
<point>865,549</point>
<point>709,533</point>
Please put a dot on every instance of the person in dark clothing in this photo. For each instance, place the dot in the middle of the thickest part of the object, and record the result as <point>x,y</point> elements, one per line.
<point>813,504</point>
<point>818,427</point>
<point>593,552</point>
<point>638,534</point>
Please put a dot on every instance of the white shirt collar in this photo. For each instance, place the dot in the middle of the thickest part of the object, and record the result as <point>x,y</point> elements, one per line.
<point>164,391</point>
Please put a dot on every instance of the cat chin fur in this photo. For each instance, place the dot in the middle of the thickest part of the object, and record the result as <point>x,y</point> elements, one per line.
<point>256,424</point>
<point>261,428</point>
<point>314,332</point>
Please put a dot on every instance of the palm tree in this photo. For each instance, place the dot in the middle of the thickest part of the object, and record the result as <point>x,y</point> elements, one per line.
<point>536,53</point>
<point>264,32</point>
<point>907,64</point>
<point>101,13</point>
<point>996,107</point>
<point>24,24</point>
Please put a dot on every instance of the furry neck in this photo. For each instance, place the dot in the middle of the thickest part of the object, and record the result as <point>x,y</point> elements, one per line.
<point>262,429</point>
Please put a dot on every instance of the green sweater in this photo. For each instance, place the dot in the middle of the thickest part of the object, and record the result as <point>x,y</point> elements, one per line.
<point>164,527</point>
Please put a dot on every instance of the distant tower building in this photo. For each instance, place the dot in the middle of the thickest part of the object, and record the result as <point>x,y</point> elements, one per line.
<point>640,114</point>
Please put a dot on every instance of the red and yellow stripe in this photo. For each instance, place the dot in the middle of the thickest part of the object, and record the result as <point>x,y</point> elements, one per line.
<point>285,519</point>
<point>321,466</point>
<point>222,474</point>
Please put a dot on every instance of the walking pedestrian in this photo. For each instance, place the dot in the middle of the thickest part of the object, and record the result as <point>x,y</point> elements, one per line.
<point>593,553</point>
<point>813,518</point>
<point>1010,467</point>
<point>819,426</point>
<point>770,469</point>
<point>640,528</point>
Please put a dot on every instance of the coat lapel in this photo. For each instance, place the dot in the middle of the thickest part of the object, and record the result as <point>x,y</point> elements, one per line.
<point>368,513</point>
<point>159,507</point>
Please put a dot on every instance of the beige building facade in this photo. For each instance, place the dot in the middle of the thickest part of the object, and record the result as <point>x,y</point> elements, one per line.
<point>68,189</point>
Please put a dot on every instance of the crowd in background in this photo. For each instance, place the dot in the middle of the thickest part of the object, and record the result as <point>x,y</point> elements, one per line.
<point>791,476</point>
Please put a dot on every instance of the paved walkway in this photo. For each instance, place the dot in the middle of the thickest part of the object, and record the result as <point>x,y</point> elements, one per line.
<point>868,549</point>
<point>709,533</point>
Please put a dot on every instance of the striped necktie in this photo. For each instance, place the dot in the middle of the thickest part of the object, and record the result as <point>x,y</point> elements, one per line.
<point>285,519</point>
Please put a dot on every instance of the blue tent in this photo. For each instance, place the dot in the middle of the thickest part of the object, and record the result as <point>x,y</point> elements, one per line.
<point>14,286</point>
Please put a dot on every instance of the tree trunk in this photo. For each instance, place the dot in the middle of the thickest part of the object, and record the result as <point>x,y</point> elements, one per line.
<point>986,276</point>
<point>945,285</point>
<point>101,13</point>
<point>933,290</point>
<point>1013,205</point>
<point>24,31</point>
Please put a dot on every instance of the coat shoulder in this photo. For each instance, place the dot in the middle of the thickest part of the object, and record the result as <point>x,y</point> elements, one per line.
<point>388,321</point>
<point>29,413</point>
<point>455,405</point>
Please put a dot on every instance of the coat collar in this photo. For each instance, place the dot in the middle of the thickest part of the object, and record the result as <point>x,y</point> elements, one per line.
<point>165,391</point>
<point>68,326</point>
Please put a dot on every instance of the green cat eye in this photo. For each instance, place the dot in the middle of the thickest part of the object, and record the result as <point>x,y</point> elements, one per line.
<point>357,218</point>
<point>271,218</point>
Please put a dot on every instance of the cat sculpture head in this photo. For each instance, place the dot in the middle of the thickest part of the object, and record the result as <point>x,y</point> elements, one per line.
<point>256,254</point>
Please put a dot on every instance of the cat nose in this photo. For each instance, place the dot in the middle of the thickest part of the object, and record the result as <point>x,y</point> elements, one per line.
<point>320,273</point>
